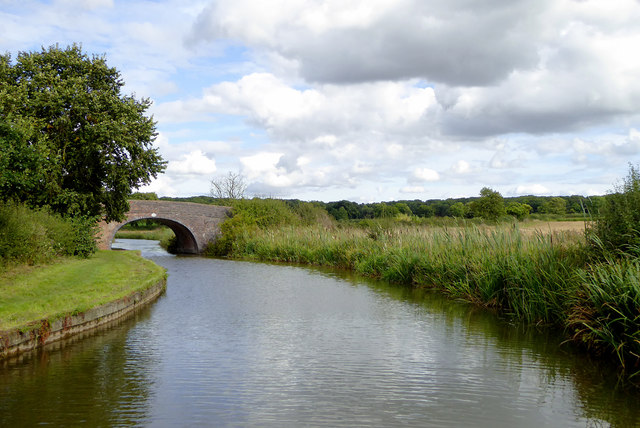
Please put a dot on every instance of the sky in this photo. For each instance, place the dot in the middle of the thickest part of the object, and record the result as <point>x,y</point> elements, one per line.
<point>368,100</point>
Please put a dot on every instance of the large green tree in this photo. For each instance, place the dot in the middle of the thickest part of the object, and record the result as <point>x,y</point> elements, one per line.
<point>74,138</point>
<point>490,205</point>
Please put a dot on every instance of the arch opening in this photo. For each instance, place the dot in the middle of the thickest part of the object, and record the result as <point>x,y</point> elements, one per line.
<point>185,240</point>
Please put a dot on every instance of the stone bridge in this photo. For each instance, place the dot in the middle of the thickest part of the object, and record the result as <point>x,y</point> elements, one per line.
<point>193,224</point>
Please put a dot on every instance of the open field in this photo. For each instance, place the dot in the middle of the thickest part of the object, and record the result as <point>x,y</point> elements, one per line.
<point>552,226</point>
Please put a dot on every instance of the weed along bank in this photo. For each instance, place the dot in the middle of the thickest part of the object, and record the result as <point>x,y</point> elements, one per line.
<point>42,305</point>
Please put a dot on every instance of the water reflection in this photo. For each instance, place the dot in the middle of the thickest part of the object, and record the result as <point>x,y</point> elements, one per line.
<point>101,380</point>
<point>540,363</point>
<point>242,344</point>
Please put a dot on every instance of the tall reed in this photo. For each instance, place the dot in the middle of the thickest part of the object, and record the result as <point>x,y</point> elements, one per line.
<point>530,277</point>
<point>605,314</point>
<point>551,278</point>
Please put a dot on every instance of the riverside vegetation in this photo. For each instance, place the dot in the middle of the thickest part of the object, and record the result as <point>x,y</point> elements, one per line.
<point>72,148</point>
<point>586,283</point>
<point>50,268</point>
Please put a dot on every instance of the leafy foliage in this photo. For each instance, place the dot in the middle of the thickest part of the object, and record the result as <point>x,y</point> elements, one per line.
<point>518,210</point>
<point>144,196</point>
<point>490,205</point>
<point>29,236</point>
<point>458,210</point>
<point>555,205</point>
<point>70,139</point>
<point>252,215</point>
<point>617,228</point>
<point>24,167</point>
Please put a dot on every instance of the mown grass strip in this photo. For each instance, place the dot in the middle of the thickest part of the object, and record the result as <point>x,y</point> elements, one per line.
<point>72,286</point>
<point>158,234</point>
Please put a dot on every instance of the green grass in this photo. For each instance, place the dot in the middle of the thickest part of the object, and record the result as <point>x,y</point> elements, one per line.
<point>72,285</point>
<point>156,234</point>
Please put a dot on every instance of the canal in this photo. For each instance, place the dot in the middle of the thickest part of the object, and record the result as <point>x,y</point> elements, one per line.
<point>251,344</point>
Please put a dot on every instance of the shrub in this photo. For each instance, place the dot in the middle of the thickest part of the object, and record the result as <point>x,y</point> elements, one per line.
<point>170,244</point>
<point>249,215</point>
<point>30,236</point>
<point>617,228</point>
<point>518,210</point>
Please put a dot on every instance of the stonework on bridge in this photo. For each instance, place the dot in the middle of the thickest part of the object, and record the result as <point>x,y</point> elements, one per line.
<point>195,225</point>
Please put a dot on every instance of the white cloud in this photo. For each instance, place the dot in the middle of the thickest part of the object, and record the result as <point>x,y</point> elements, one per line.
<point>461,167</point>
<point>192,163</point>
<point>521,78</point>
<point>532,189</point>
<point>162,186</point>
<point>425,174</point>
<point>330,97</point>
<point>260,163</point>
<point>355,41</point>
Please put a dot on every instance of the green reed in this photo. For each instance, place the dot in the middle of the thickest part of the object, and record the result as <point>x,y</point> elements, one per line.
<point>498,267</point>
<point>544,278</point>
<point>606,311</point>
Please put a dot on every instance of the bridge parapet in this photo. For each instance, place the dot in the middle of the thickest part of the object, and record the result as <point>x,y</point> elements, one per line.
<point>194,225</point>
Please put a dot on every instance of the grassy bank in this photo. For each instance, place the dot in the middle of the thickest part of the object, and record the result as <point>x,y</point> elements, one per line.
<point>157,233</point>
<point>161,233</point>
<point>71,285</point>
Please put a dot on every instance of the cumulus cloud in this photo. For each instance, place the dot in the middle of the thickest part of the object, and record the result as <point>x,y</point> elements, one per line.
<point>424,174</point>
<point>193,163</point>
<point>461,167</point>
<point>368,96</point>
<point>321,135</point>
<point>454,42</point>
<point>498,67</point>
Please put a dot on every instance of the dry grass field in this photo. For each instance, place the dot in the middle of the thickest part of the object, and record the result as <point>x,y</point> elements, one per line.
<point>552,226</point>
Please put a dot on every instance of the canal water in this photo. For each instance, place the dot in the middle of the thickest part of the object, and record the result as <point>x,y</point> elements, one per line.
<point>251,344</point>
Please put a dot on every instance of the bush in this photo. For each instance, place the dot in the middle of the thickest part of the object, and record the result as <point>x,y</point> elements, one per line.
<point>617,227</point>
<point>250,215</point>
<point>30,236</point>
<point>170,244</point>
<point>518,210</point>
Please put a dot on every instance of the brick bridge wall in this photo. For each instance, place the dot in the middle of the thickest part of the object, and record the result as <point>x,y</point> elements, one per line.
<point>193,224</point>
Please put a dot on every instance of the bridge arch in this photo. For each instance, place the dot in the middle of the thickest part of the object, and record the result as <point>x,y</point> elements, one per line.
<point>186,242</point>
<point>195,225</point>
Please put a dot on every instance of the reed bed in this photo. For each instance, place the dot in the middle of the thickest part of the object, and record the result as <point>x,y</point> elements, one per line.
<point>496,267</point>
<point>546,278</point>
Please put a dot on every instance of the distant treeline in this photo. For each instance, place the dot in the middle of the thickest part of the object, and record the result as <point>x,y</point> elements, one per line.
<point>461,207</point>
<point>520,206</point>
